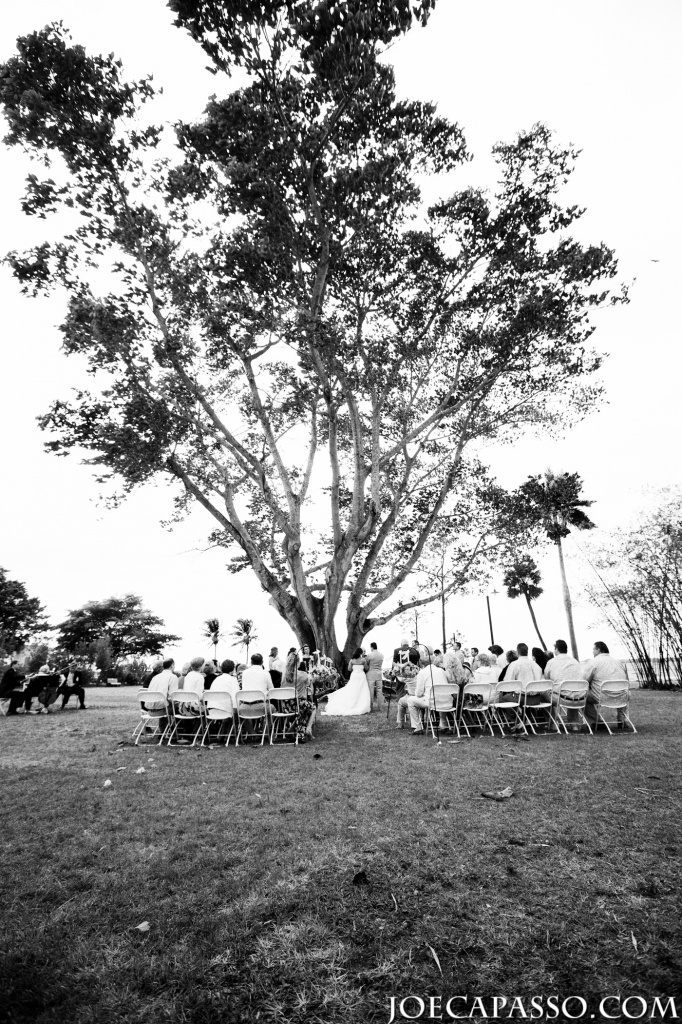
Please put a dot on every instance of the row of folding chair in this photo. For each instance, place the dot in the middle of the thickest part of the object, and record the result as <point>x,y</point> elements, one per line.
<point>527,706</point>
<point>211,716</point>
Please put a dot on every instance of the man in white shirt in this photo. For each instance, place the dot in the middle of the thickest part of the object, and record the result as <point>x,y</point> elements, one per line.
<point>524,670</point>
<point>165,681</point>
<point>558,669</point>
<point>429,676</point>
<point>256,677</point>
<point>227,681</point>
<point>598,670</point>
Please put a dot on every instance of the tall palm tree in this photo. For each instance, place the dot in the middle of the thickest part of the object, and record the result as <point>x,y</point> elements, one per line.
<point>213,633</point>
<point>522,579</point>
<point>557,500</point>
<point>243,634</point>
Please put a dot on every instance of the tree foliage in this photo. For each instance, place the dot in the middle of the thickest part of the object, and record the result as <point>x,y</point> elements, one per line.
<point>286,319</point>
<point>522,579</point>
<point>21,616</point>
<point>111,630</point>
<point>243,633</point>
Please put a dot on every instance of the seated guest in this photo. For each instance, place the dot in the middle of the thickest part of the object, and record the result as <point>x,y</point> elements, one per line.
<point>256,677</point>
<point>165,681</point>
<point>598,670</point>
<point>510,656</point>
<point>430,675</point>
<point>45,686</point>
<point>500,656</point>
<point>211,672</point>
<point>405,675</point>
<point>559,668</point>
<point>11,687</point>
<point>523,669</point>
<point>154,671</point>
<point>438,657</point>
<point>276,666</point>
<point>227,681</point>
<point>194,680</point>
<point>298,677</point>
<point>187,667</point>
<point>73,683</point>
<point>539,657</point>
<point>454,669</point>
<point>487,671</point>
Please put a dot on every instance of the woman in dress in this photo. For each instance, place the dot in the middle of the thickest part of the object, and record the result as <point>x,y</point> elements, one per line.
<point>353,698</point>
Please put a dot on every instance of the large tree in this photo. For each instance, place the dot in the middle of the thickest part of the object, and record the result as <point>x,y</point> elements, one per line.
<point>289,333</point>
<point>123,624</point>
<point>21,616</point>
<point>522,579</point>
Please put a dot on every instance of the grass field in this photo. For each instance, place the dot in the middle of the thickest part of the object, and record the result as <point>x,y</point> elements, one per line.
<point>248,866</point>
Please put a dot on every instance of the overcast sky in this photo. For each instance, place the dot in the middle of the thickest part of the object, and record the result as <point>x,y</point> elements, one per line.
<point>604,76</point>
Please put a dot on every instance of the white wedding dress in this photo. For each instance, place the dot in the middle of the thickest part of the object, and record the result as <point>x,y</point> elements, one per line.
<point>353,698</point>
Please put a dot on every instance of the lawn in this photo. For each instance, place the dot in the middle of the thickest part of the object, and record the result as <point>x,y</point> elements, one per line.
<point>314,883</point>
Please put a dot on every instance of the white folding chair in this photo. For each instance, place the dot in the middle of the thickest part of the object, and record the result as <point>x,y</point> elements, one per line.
<point>4,705</point>
<point>282,707</point>
<point>505,700</point>
<point>572,696</point>
<point>251,708</point>
<point>218,709</point>
<point>188,712</point>
<point>443,701</point>
<point>540,693</point>
<point>614,695</point>
<point>155,718</point>
<point>475,709</point>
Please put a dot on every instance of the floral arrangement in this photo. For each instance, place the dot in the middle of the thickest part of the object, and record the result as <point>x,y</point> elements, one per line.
<point>325,678</point>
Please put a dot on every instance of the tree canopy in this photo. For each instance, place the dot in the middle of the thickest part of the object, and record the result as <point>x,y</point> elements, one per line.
<point>21,616</point>
<point>123,623</point>
<point>317,357</point>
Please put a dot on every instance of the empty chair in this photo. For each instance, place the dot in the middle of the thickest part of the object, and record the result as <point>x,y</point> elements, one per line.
<point>282,706</point>
<point>505,704</point>
<point>614,696</point>
<point>537,702</point>
<point>572,696</point>
<point>252,715</point>
<point>475,709</point>
<point>188,716</point>
<point>155,719</point>
<point>219,713</point>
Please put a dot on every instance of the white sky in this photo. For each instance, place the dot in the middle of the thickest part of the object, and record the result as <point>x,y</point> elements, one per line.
<point>604,76</point>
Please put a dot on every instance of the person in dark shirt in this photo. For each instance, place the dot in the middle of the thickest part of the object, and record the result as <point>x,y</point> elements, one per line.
<point>73,683</point>
<point>11,687</point>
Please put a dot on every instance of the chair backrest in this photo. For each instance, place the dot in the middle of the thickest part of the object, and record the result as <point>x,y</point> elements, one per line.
<point>250,703</point>
<point>445,696</point>
<point>276,698</point>
<point>539,686</point>
<point>507,692</point>
<point>151,700</point>
<point>573,693</point>
<point>615,693</point>
<point>185,703</point>
<point>220,701</point>
<point>481,690</point>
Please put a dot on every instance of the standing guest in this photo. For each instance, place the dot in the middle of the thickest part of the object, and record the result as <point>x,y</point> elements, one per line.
<point>165,681</point>
<point>276,666</point>
<point>194,679</point>
<point>598,670</point>
<point>73,683</point>
<point>404,647</point>
<point>256,677</point>
<point>307,712</point>
<point>474,659</point>
<point>375,663</point>
<point>523,670</point>
<point>558,669</point>
<point>306,657</point>
<point>11,687</point>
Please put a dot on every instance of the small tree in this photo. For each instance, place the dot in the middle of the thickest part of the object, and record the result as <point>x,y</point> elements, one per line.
<point>244,635</point>
<point>213,634</point>
<point>556,501</point>
<point>522,579</point>
<point>21,616</point>
<point>123,622</point>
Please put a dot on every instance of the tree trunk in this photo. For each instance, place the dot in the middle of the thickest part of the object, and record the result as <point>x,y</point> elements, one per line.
<point>535,623</point>
<point>442,616</point>
<point>567,602</point>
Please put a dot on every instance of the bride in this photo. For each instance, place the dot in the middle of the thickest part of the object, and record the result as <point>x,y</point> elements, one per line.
<point>354,697</point>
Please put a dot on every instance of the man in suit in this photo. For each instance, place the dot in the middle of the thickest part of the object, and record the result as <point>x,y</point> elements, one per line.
<point>73,683</point>
<point>11,688</point>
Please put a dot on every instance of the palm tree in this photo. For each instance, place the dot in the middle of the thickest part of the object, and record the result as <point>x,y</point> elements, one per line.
<point>522,578</point>
<point>243,634</point>
<point>559,506</point>
<point>213,634</point>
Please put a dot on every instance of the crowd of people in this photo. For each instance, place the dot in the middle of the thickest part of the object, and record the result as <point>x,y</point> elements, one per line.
<point>44,686</point>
